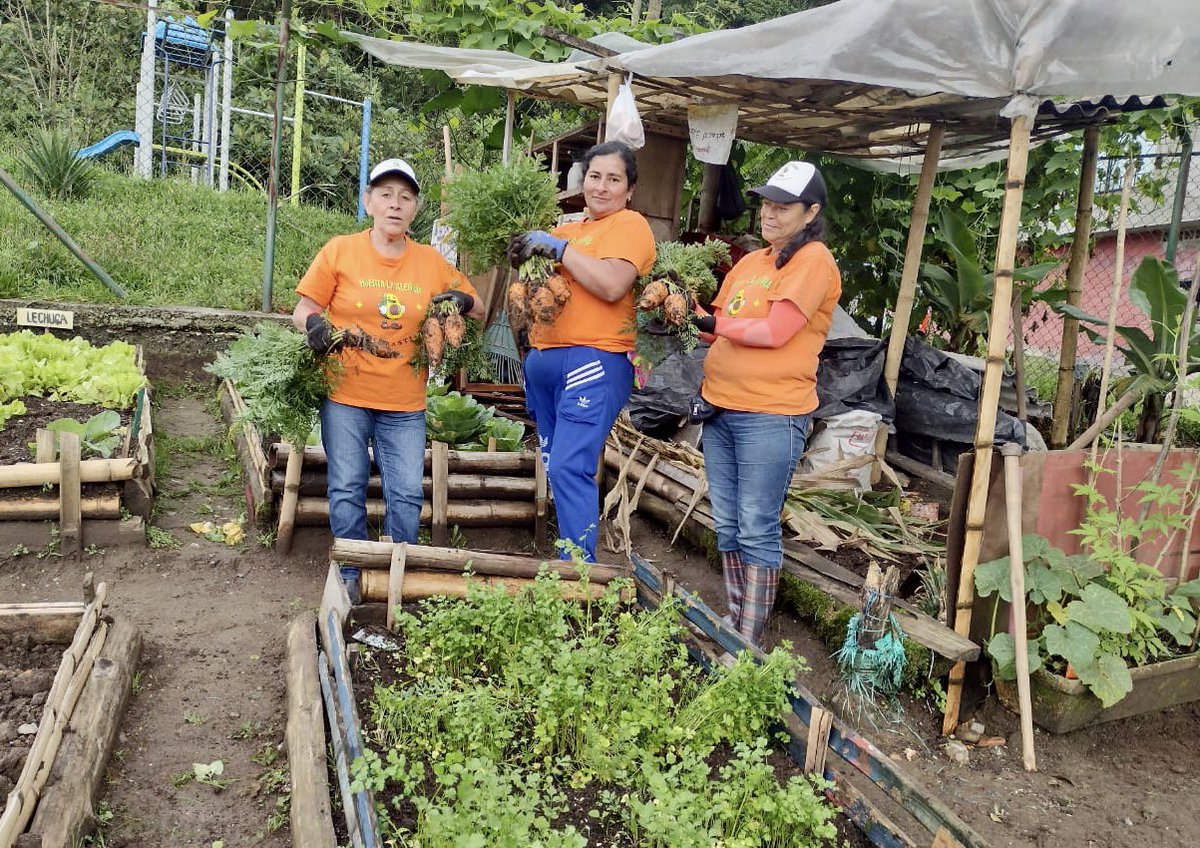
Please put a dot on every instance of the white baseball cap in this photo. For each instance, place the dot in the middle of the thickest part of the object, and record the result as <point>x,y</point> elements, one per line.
<point>795,182</point>
<point>398,167</point>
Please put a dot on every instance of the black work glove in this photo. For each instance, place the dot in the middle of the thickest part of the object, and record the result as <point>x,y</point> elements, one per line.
<point>704,323</point>
<point>320,334</point>
<point>462,300</point>
<point>516,244</point>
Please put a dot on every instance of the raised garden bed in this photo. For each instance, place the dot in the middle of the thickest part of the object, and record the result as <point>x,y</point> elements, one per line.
<point>819,742</point>
<point>1061,705</point>
<point>487,488</point>
<point>65,478</point>
<point>54,776</point>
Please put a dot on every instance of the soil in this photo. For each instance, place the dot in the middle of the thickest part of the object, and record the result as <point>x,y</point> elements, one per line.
<point>210,686</point>
<point>26,675</point>
<point>20,431</point>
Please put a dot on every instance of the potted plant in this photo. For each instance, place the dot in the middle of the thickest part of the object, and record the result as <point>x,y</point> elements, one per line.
<point>1109,636</point>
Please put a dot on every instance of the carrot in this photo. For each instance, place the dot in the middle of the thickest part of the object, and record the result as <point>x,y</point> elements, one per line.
<point>675,309</point>
<point>559,288</point>
<point>543,307</point>
<point>653,295</point>
<point>434,339</point>
<point>518,308</point>
<point>456,329</point>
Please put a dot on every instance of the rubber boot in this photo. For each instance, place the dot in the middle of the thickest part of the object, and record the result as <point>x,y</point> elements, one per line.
<point>761,586</point>
<point>735,585</point>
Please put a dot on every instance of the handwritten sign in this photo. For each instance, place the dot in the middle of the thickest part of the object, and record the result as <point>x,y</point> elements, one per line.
<point>713,129</point>
<point>54,319</point>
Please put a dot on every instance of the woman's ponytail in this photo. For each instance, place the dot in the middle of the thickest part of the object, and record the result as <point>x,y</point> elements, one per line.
<point>814,230</point>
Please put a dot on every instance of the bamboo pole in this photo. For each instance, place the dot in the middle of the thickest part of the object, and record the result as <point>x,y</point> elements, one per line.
<point>470,462</point>
<point>50,473</point>
<point>365,554</point>
<point>287,507</point>
<point>902,314</point>
<point>1118,280</point>
<point>458,486</point>
<point>510,113</point>
<point>985,431</point>
<point>313,512</point>
<point>1064,391</point>
<point>427,584</point>
<point>40,508</point>
<point>912,258</point>
<point>1110,415</point>
<point>1015,504</point>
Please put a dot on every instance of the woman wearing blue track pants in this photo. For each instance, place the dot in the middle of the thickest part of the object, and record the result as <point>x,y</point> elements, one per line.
<point>760,378</point>
<point>578,374</point>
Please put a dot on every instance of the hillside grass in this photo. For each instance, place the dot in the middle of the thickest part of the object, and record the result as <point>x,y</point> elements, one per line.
<point>168,242</point>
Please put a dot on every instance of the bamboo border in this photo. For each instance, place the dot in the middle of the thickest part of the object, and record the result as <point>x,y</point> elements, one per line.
<point>72,679</point>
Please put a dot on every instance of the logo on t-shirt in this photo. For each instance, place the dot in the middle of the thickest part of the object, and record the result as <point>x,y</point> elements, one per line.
<point>391,307</point>
<point>737,303</point>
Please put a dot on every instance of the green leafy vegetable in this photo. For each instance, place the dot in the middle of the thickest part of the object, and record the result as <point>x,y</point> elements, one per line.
<point>281,379</point>
<point>11,410</point>
<point>455,418</point>
<point>98,436</point>
<point>508,435</point>
<point>488,207</point>
<point>68,369</point>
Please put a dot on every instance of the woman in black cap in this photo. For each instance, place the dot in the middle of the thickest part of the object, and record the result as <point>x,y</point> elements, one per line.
<point>767,329</point>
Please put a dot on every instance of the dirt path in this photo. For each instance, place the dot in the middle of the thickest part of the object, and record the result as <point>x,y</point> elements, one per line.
<point>213,621</point>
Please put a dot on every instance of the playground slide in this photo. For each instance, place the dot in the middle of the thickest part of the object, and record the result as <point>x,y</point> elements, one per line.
<point>108,144</point>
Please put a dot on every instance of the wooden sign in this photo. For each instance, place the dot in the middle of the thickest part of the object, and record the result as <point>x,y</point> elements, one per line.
<point>53,319</point>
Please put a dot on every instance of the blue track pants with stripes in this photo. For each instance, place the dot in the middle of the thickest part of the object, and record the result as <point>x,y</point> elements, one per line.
<point>574,395</point>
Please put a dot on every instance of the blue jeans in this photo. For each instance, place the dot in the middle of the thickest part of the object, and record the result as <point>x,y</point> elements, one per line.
<point>574,395</point>
<point>749,458</point>
<point>399,442</point>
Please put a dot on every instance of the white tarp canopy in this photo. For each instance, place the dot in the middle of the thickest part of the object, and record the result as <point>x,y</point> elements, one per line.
<point>973,48</point>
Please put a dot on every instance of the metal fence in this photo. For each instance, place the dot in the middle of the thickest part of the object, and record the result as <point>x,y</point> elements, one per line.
<point>1148,233</point>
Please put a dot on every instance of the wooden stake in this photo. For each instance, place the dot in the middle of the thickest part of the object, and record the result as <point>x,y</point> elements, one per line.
<point>540,503</point>
<point>985,430</point>
<point>311,816</point>
<point>819,723</point>
<point>287,507</point>
<point>395,583</point>
<point>509,118</point>
<point>1014,502</point>
<point>1065,389</point>
<point>70,517</point>
<point>440,494</point>
<point>1118,280</point>
<point>46,448</point>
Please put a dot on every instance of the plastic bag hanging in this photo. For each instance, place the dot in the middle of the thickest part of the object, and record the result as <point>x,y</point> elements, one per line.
<point>624,124</point>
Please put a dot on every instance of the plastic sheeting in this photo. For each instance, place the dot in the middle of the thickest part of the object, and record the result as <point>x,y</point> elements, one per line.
<point>973,48</point>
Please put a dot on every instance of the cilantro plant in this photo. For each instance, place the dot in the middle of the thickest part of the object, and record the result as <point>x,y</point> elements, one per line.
<point>528,719</point>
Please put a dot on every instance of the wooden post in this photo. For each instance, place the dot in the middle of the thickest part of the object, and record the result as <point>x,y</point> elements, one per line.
<point>291,496</point>
<point>985,430</point>
<point>395,583</point>
<point>1018,332</point>
<point>1118,280</point>
<point>539,502</point>
<point>70,492</point>
<point>707,221</point>
<point>46,446</point>
<point>1016,578</point>
<point>614,85</point>
<point>509,118</point>
<point>1064,391</point>
<point>312,819</point>
<point>908,276</point>
<point>440,494</point>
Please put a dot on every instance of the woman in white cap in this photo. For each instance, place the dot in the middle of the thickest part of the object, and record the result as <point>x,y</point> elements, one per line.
<point>767,329</point>
<point>382,282</point>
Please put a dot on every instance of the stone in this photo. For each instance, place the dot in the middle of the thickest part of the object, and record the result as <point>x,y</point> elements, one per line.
<point>967,732</point>
<point>957,752</point>
<point>7,731</point>
<point>31,681</point>
<point>27,729</point>
<point>37,699</point>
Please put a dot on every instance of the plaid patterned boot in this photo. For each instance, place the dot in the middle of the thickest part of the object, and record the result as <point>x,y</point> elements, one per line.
<point>735,584</point>
<point>761,586</point>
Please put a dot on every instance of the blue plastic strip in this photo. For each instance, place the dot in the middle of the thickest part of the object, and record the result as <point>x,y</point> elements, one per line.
<point>364,155</point>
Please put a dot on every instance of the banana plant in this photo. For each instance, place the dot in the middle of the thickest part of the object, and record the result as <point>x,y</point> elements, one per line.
<point>1154,289</point>
<point>962,301</point>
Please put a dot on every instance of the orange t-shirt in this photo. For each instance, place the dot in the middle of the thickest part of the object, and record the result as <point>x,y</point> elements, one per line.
<point>587,319</point>
<point>386,298</point>
<point>780,380</point>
